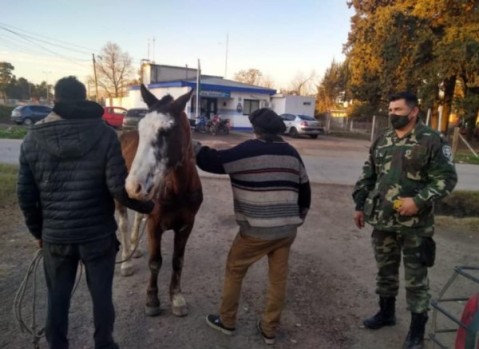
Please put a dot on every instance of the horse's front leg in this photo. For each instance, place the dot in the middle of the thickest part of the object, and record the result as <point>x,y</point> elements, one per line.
<point>135,229</point>
<point>126,265</point>
<point>178,302</point>
<point>152,307</point>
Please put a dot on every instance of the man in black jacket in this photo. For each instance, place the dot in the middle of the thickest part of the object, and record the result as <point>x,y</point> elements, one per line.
<point>71,170</point>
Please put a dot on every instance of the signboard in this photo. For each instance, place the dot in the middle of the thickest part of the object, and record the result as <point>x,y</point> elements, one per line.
<point>215,94</point>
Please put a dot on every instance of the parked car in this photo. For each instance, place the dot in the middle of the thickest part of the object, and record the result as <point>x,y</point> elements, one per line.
<point>297,124</point>
<point>29,114</point>
<point>113,116</point>
<point>132,117</point>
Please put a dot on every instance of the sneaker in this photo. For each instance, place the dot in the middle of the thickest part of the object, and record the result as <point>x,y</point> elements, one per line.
<point>214,321</point>
<point>266,339</point>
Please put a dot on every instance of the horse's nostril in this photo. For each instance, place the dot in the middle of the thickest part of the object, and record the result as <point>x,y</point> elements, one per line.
<point>138,189</point>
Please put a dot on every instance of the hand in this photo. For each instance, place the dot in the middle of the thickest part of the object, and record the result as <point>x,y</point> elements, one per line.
<point>407,207</point>
<point>196,146</point>
<point>40,243</point>
<point>359,219</point>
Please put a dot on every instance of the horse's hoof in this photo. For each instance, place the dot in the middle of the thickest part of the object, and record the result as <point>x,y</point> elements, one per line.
<point>179,306</point>
<point>152,311</point>
<point>180,311</point>
<point>138,253</point>
<point>127,270</point>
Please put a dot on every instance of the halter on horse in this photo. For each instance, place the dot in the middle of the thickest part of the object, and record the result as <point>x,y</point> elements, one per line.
<point>162,167</point>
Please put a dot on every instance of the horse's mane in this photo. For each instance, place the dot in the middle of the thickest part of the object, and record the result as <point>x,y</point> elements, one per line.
<point>165,100</point>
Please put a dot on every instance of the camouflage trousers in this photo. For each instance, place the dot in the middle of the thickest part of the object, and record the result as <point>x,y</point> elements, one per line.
<point>388,247</point>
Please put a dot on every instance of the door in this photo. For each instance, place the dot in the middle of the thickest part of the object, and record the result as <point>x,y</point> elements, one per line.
<point>211,107</point>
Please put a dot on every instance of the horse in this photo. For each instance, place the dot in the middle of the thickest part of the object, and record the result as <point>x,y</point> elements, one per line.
<point>161,167</point>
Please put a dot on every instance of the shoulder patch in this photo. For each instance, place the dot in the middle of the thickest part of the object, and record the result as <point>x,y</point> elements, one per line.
<point>447,152</point>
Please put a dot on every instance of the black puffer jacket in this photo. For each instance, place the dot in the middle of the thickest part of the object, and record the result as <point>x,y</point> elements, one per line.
<point>70,171</point>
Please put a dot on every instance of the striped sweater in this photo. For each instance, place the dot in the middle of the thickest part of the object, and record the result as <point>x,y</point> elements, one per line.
<point>271,190</point>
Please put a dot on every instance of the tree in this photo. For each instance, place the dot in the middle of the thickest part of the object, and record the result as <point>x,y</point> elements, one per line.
<point>114,70</point>
<point>421,46</point>
<point>302,85</point>
<point>332,87</point>
<point>251,76</point>
<point>6,77</point>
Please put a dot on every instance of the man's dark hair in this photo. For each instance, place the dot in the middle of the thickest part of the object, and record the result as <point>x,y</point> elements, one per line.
<point>69,89</point>
<point>410,98</point>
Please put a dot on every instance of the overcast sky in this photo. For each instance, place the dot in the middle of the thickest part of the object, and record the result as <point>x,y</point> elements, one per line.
<point>48,39</point>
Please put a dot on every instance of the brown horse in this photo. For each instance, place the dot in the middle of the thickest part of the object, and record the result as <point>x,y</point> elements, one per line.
<point>162,167</point>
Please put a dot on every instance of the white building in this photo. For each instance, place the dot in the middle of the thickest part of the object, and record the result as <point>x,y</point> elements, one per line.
<point>302,105</point>
<point>230,99</point>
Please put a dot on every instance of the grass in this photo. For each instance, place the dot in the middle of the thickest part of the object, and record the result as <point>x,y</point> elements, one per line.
<point>465,156</point>
<point>8,178</point>
<point>13,131</point>
<point>459,204</point>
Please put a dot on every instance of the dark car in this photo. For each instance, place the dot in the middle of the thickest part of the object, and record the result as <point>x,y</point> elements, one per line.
<point>29,114</point>
<point>132,117</point>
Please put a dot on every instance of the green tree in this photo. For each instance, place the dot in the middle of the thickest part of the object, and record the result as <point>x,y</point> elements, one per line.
<point>421,46</point>
<point>332,88</point>
<point>6,77</point>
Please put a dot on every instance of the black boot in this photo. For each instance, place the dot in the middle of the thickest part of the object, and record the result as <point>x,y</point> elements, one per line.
<point>385,316</point>
<point>415,336</point>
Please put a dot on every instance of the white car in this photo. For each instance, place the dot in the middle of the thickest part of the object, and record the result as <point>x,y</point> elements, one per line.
<point>302,125</point>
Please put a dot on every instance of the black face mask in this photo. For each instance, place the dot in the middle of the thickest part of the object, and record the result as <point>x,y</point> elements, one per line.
<point>399,121</point>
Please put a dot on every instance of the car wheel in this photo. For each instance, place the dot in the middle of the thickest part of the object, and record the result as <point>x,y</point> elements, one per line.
<point>28,122</point>
<point>293,132</point>
<point>313,136</point>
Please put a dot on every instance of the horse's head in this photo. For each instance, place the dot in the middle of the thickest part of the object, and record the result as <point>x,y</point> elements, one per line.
<point>161,146</point>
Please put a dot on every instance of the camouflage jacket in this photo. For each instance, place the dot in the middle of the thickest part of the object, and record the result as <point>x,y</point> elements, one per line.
<point>419,165</point>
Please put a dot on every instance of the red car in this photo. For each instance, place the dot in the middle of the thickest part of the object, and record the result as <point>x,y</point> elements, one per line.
<point>113,116</point>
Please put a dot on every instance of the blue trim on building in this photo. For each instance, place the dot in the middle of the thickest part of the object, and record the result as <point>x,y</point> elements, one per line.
<point>208,87</point>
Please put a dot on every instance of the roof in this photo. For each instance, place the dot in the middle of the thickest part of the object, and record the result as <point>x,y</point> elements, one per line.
<point>209,83</point>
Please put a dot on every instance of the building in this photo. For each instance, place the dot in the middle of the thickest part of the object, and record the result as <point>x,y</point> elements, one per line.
<point>230,99</point>
<point>301,105</point>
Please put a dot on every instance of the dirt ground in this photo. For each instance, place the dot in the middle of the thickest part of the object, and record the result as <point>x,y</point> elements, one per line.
<point>330,290</point>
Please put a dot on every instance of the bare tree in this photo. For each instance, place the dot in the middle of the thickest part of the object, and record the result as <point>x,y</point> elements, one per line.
<point>302,85</point>
<point>114,70</point>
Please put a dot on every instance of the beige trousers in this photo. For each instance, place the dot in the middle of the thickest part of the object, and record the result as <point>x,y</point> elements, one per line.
<point>245,251</point>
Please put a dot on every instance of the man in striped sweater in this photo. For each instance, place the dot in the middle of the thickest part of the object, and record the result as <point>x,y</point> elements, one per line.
<point>272,196</point>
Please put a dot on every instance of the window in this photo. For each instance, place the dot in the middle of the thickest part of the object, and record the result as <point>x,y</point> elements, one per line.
<point>119,111</point>
<point>250,105</point>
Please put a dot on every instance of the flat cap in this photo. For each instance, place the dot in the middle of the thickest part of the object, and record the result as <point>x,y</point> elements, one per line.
<point>265,120</point>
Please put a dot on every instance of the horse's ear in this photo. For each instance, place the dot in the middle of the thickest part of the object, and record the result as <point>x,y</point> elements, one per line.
<point>180,103</point>
<point>147,96</point>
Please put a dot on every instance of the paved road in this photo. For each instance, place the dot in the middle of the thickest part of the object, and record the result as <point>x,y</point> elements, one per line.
<point>328,160</point>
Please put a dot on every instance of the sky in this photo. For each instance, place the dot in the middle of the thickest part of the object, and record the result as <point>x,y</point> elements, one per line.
<point>49,39</point>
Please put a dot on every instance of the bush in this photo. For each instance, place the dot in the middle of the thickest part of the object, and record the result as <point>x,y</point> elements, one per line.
<point>459,204</point>
<point>5,112</point>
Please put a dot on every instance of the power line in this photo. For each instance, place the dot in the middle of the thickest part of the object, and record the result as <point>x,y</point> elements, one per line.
<point>39,45</point>
<point>48,40</point>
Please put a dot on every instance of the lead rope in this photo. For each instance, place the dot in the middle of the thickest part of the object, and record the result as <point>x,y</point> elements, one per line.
<point>20,295</point>
<point>144,221</point>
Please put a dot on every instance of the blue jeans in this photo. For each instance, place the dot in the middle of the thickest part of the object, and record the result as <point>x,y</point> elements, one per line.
<point>60,262</point>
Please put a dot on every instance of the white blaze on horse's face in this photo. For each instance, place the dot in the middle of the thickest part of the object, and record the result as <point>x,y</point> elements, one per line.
<point>150,164</point>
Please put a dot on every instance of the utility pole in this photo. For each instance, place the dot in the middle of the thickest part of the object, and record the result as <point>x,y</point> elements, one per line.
<point>47,73</point>
<point>226,55</point>
<point>94,74</point>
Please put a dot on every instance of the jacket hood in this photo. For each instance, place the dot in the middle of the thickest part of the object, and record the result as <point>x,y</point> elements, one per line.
<point>69,138</point>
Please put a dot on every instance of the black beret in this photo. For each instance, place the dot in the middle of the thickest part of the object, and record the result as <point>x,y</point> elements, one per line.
<point>265,120</point>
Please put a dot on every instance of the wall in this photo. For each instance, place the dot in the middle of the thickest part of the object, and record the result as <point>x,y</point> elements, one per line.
<point>227,107</point>
<point>293,104</point>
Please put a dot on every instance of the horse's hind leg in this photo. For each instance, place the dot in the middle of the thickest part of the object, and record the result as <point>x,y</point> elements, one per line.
<point>178,302</point>
<point>152,306</point>
<point>126,266</point>
<point>136,250</point>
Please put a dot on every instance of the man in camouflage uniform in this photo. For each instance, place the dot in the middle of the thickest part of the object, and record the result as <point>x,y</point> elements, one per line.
<point>409,168</point>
